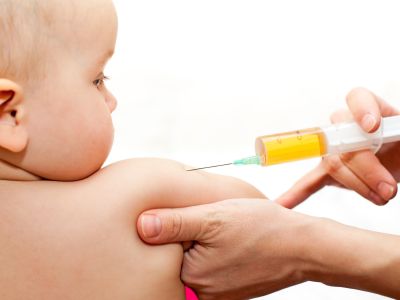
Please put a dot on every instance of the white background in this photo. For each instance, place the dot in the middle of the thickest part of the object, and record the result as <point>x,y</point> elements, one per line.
<point>197,81</point>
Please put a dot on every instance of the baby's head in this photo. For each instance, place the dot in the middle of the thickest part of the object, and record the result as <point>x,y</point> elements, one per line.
<point>55,112</point>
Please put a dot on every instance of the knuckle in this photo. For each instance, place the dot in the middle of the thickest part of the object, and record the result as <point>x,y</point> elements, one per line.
<point>369,176</point>
<point>388,110</point>
<point>332,164</point>
<point>189,276</point>
<point>212,224</point>
<point>192,279</point>
<point>347,157</point>
<point>175,230</point>
<point>194,276</point>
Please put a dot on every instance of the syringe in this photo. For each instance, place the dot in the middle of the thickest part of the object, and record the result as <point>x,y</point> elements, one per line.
<point>319,141</point>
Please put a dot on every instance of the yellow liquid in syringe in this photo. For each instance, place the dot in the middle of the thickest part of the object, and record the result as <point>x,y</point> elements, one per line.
<point>291,146</point>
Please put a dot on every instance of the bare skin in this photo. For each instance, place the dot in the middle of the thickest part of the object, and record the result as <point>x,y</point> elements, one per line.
<point>77,240</point>
<point>246,248</point>
<point>376,180</point>
<point>291,248</point>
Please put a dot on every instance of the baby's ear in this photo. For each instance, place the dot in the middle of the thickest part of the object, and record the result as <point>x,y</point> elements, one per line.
<point>13,135</point>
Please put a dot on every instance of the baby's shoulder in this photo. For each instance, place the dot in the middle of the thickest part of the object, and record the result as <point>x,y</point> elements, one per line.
<point>140,168</point>
<point>130,183</point>
<point>140,177</point>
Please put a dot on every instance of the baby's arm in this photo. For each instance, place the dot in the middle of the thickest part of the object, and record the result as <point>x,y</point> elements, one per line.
<point>165,183</point>
<point>78,240</point>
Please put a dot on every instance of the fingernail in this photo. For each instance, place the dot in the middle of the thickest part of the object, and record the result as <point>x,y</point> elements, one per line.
<point>376,198</point>
<point>386,190</point>
<point>368,122</point>
<point>151,226</point>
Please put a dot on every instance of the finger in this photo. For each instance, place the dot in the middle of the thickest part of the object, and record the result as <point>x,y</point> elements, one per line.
<point>173,225</point>
<point>386,109</point>
<point>342,115</point>
<point>304,188</point>
<point>364,106</point>
<point>373,174</point>
<point>368,108</point>
<point>187,245</point>
<point>335,167</point>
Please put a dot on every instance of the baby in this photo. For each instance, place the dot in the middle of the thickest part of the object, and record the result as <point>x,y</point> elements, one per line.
<point>67,227</point>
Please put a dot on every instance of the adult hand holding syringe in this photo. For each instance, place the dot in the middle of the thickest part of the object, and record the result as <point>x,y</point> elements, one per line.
<point>348,149</point>
<point>373,176</point>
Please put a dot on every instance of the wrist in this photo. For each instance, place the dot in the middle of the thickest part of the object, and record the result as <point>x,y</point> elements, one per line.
<point>299,238</point>
<point>340,255</point>
<point>335,254</point>
<point>322,251</point>
<point>307,256</point>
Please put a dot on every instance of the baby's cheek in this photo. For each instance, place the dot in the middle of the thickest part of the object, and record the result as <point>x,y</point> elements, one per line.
<point>83,153</point>
<point>98,143</point>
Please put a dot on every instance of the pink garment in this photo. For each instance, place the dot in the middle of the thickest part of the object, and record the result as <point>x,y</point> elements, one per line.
<point>190,295</point>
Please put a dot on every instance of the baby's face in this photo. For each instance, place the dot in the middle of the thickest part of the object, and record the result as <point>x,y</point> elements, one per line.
<point>69,111</point>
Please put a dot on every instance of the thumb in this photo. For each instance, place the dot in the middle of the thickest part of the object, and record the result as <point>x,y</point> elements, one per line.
<point>162,226</point>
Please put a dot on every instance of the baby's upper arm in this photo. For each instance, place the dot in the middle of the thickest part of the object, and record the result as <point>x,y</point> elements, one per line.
<point>199,187</point>
<point>78,241</point>
<point>165,183</point>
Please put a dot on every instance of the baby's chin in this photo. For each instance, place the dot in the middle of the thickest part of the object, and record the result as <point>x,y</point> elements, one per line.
<point>61,173</point>
<point>73,174</point>
<point>61,159</point>
<point>72,165</point>
<point>70,174</point>
<point>69,160</point>
<point>76,169</point>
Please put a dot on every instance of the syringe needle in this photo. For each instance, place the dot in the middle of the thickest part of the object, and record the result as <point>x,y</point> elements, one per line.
<point>252,160</point>
<point>202,168</point>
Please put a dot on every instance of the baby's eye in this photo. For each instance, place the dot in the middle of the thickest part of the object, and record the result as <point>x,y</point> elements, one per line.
<point>100,81</point>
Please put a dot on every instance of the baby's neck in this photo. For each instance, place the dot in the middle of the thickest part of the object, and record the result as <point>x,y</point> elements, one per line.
<point>9,172</point>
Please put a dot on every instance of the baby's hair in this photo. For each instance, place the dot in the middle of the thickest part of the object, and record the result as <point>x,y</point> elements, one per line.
<point>21,24</point>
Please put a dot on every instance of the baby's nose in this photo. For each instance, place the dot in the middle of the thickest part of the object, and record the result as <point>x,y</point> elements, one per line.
<point>111,102</point>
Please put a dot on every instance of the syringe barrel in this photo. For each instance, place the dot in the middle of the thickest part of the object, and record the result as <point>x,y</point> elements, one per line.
<point>321,141</point>
<point>290,146</point>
